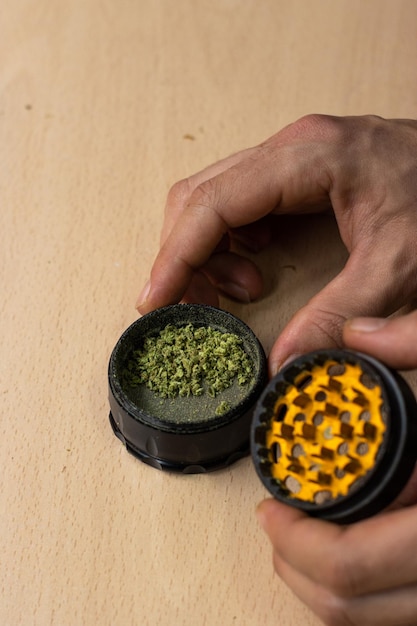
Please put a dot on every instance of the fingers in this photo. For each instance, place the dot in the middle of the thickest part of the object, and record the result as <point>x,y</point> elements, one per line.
<point>316,597</point>
<point>201,290</point>
<point>397,606</point>
<point>235,276</point>
<point>264,180</point>
<point>353,560</point>
<point>331,567</point>
<point>393,341</point>
<point>180,193</point>
<point>187,248</point>
<point>225,272</point>
<point>254,237</point>
<point>228,273</point>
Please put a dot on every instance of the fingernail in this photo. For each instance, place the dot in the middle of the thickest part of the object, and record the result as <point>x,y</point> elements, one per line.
<point>367,324</point>
<point>288,360</point>
<point>235,291</point>
<point>277,366</point>
<point>143,295</point>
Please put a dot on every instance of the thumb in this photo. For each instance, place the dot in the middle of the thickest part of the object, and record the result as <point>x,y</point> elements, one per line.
<point>393,341</point>
<point>319,324</point>
<point>367,285</point>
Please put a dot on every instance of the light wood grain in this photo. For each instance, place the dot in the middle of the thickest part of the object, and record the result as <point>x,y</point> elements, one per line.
<point>103,105</point>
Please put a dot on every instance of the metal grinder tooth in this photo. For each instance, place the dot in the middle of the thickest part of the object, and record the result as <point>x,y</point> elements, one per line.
<point>326,430</point>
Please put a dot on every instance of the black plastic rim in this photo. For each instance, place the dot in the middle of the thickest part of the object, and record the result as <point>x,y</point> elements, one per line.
<point>397,455</point>
<point>206,444</point>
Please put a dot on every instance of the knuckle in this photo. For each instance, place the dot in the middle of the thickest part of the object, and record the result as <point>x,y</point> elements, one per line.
<point>211,197</point>
<point>315,128</point>
<point>328,325</point>
<point>318,126</point>
<point>206,193</point>
<point>314,121</point>
<point>207,196</point>
<point>180,192</point>
<point>202,195</point>
<point>374,120</point>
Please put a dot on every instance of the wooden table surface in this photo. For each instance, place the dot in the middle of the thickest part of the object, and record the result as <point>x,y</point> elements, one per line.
<point>104,105</point>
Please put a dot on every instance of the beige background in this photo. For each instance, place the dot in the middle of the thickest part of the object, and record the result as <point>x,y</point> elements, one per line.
<point>103,105</point>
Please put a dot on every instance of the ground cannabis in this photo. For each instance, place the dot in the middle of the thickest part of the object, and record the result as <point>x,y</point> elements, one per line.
<point>189,361</point>
<point>222,408</point>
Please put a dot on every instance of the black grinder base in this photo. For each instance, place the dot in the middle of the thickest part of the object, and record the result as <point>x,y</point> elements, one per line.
<point>185,434</point>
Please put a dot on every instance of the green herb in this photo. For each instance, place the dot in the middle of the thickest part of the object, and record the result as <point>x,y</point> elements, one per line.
<point>189,361</point>
<point>223,408</point>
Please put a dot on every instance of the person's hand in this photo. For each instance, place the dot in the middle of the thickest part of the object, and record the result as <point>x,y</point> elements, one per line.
<point>366,573</point>
<point>365,168</point>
